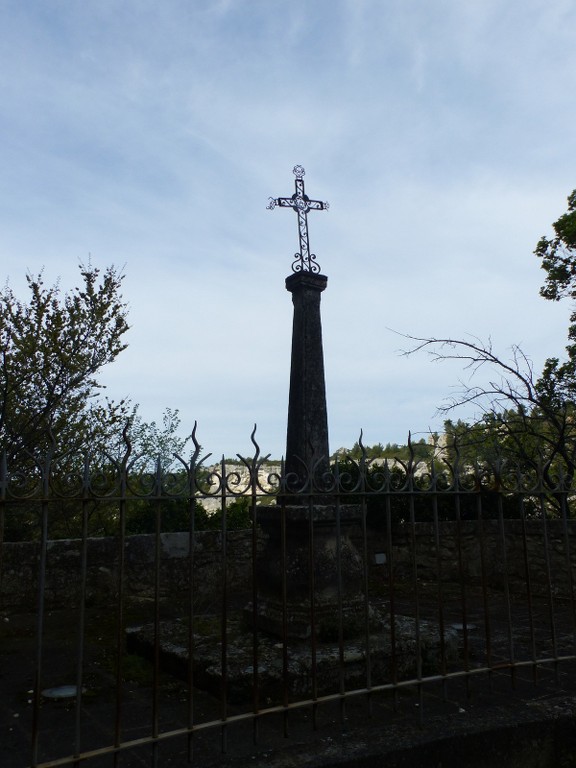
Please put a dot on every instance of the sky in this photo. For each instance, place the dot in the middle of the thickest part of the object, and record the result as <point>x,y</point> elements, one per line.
<point>150,136</point>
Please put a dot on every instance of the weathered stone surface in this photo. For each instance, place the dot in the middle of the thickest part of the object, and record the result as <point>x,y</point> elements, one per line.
<point>517,554</point>
<point>547,567</point>
<point>307,431</point>
<point>307,551</point>
<point>19,584</point>
<point>305,668</point>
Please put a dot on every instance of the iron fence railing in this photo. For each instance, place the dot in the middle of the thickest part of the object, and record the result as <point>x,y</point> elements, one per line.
<point>137,624</point>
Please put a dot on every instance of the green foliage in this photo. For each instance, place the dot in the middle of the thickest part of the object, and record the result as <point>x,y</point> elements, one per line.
<point>65,518</point>
<point>371,452</point>
<point>497,436</point>
<point>558,257</point>
<point>51,347</point>
<point>158,443</point>
<point>528,419</point>
<point>557,385</point>
<point>420,449</point>
<point>238,516</point>
<point>171,515</point>
<point>175,515</point>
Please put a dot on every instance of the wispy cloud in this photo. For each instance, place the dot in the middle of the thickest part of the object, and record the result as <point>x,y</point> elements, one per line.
<point>153,134</point>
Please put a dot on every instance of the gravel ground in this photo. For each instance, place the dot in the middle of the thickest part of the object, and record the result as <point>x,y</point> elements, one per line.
<point>482,721</point>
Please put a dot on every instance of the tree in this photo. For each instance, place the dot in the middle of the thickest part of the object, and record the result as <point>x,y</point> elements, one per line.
<point>558,381</point>
<point>418,449</point>
<point>517,421</point>
<point>51,349</point>
<point>153,442</point>
<point>529,418</point>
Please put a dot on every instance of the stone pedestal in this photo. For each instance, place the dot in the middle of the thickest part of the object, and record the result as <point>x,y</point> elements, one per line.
<point>308,572</point>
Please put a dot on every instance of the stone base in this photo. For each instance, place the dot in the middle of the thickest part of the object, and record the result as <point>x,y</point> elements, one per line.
<point>300,669</point>
<point>308,551</point>
<point>296,620</point>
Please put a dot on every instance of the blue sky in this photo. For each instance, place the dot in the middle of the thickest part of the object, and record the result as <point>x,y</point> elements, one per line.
<point>151,135</point>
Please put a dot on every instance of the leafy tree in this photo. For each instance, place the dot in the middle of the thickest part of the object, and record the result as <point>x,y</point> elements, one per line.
<point>174,515</point>
<point>51,348</point>
<point>238,516</point>
<point>557,385</point>
<point>154,442</point>
<point>526,417</point>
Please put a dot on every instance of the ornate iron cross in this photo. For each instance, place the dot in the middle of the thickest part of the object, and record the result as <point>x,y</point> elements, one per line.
<point>301,203</point>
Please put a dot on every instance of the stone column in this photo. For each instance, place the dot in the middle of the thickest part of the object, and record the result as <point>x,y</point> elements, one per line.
<point>307,432</point>
<point>309,570</point>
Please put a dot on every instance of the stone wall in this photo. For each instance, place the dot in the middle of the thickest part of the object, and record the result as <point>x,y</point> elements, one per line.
<point>483,548</point>
<point>503,555</point>
<point>20,566</point>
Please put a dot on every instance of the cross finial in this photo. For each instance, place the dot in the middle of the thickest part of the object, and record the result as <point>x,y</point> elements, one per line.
<point>301,203</point>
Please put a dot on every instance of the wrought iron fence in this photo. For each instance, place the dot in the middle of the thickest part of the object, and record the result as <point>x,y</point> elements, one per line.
<point>173,608</point>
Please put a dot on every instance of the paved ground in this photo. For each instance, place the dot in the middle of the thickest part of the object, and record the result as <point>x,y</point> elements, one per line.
<point>535,709</point>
